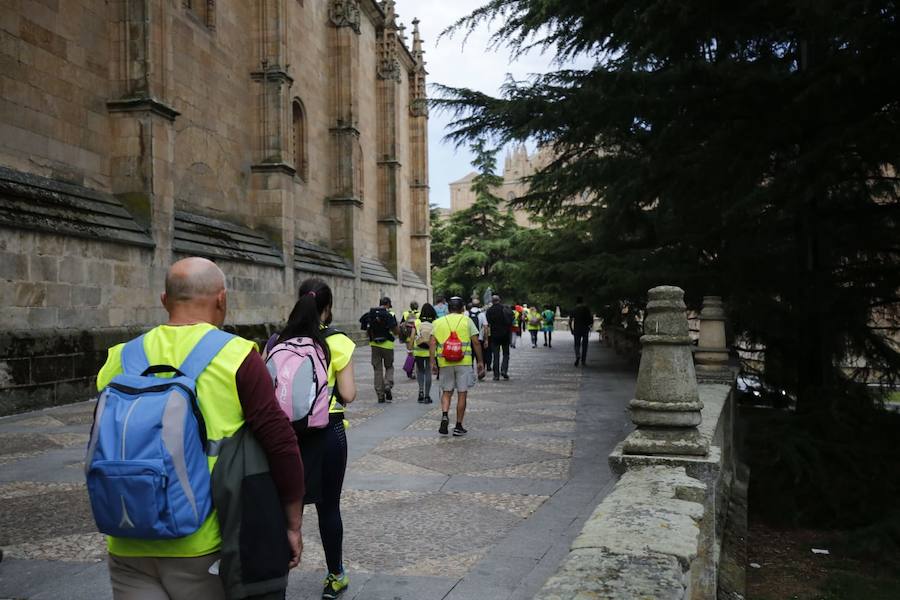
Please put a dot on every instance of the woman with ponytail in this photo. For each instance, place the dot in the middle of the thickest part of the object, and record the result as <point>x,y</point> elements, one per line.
<point>418,344</point>
<point>324,451</point>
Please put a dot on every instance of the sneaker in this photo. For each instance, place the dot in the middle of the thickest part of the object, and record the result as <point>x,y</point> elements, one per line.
<point>504,375</point>
<point>388,397</point>
<point>421,398</point>
<point>381,401</point>
<point>576,362</point>
<point>496,378</point>
<point>445,424</point>
<point>335,585</point>
<point>459,430</point>
<point>427,400</point>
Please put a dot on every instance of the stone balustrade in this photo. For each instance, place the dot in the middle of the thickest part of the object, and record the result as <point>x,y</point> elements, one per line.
<point>673,526</point>
<point>625,342</point>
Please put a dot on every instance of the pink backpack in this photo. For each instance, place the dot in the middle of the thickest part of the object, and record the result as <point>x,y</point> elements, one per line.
<point>300,374</point>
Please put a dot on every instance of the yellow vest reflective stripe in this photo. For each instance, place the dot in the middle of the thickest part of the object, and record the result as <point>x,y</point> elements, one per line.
<point>442,328</point>
<point>222,413</point>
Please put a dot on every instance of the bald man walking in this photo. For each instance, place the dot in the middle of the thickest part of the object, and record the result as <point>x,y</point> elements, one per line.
<point>233,390</point>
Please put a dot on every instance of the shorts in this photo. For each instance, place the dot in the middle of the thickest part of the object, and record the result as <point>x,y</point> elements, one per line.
<point>458,377</point>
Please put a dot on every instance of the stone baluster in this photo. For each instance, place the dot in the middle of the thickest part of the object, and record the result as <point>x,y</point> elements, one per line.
<point>666,407</point>
<point>711,355</point>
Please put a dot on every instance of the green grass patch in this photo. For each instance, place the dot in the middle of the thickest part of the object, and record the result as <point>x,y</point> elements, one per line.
<point>894,397</point>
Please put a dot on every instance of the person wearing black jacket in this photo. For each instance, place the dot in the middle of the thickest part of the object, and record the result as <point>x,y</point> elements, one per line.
<point>499,318</point>
<point>581,321</point>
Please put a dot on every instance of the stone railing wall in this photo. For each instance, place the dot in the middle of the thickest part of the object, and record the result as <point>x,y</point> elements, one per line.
<point>625,342</point>
<point>659,533</point>
<point>673,526</point>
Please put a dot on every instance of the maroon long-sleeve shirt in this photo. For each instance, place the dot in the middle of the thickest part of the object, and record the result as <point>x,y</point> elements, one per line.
<point>271,427</point>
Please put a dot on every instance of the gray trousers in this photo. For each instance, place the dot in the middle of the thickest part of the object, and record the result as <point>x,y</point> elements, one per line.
<point>150,578</point>
<point>383,363</point>
<point>423,375</point>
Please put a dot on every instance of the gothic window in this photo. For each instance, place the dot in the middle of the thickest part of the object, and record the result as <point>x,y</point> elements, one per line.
<point>360,173</point>
<point>204,10</point>
<point>298,122</point>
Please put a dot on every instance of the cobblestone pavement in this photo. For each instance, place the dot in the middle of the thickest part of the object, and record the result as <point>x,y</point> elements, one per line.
<point>487,516</point>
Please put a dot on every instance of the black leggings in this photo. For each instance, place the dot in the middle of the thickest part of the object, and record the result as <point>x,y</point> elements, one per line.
<point>331,526</point>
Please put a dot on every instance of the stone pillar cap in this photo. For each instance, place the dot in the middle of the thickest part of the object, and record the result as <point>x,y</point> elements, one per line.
<point>712,309</point>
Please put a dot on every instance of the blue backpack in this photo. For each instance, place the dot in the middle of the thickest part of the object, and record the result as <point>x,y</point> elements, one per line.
<point>146,466</point>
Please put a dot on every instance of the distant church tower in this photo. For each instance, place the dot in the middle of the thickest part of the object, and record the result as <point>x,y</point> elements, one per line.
<point>518,164</point>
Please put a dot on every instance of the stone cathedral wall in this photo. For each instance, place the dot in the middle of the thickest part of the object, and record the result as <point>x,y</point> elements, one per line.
<point>54,61</point>
<point>137,132</point>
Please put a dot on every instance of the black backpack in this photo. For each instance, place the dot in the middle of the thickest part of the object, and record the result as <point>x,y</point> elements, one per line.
<point>378,324</point>
<point>473,314</point>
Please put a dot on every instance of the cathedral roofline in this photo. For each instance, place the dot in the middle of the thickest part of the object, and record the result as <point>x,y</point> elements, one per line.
<point>465,179</point>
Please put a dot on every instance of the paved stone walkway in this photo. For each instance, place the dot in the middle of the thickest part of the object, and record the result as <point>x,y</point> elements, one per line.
<point>488,516</point>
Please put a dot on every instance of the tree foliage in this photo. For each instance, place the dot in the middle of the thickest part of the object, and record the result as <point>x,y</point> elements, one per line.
<point>746,149</point>
<point>476,247</point>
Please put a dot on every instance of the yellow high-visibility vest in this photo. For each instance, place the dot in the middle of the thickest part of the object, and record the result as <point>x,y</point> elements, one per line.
<point>221,408</point>
<point>463,327</point>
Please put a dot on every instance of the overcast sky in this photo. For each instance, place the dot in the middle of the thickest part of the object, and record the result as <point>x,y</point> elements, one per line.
<point>451,63</point>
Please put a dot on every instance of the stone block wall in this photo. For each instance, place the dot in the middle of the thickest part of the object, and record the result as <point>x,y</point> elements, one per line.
<point>668,526</point>
<point>53,89</point>
<point>640,542</point>
<point>64,301</point>
<point>136,132</point>
<point>52,282</point>
<point>49,367</point>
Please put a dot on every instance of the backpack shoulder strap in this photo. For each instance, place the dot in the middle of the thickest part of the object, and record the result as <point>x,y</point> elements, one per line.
<point>330,331</point>
<point>271,342</point>
<point>203,353</point>
<point>134,359</point>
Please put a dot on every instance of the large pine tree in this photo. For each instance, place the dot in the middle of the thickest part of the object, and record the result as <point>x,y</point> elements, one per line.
<point>747,149</point>
<point>475,248</point>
